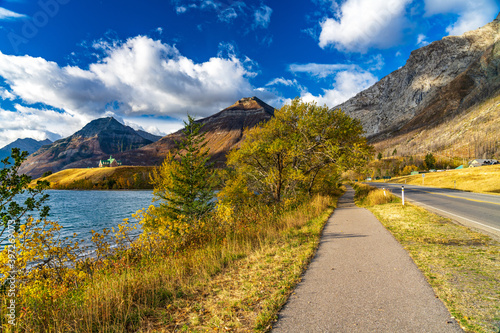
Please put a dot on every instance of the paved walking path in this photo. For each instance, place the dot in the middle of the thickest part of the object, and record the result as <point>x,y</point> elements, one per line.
<point>362,280</point>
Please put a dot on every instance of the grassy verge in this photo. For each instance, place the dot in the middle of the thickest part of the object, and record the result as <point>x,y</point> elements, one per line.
<point>485,179</point>
<point>237,283</point>
<point>461,265</point>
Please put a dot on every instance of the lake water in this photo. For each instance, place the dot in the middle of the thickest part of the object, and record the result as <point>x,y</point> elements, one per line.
<point>82,211</point>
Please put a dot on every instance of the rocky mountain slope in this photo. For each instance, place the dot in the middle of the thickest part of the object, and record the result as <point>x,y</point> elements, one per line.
<point>440,82</point>
<point>27,144</point>
<point>223,131</point>
<point>98,139</point>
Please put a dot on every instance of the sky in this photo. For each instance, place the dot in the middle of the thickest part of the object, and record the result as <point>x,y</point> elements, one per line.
<point>64,63</point>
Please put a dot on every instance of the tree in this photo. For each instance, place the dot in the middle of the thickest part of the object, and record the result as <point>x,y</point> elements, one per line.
<point>379,156</point>
<point>184,184</point>
<point>430,161</point>
<point>301,146</point>
<point>13,185</point>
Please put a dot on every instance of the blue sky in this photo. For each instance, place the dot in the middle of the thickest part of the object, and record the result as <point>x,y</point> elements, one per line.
<point>148,64</point>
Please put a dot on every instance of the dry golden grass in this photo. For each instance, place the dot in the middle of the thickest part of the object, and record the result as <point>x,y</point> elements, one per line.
<point>67,177</point>
<point>461,265</point>
<point>485,179</point>
<point>235,284</point>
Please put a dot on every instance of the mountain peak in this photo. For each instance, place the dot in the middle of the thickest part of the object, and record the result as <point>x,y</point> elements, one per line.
<point>100,125</point>
<point>251,103</point>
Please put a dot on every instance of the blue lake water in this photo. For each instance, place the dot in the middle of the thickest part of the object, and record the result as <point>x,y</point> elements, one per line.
<point>82,211</point>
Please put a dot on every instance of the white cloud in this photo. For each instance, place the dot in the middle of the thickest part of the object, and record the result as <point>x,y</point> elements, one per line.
<point>226,11</point>
<point>421,40</point>
<point>361,24</point>
<point>319,70</point>
<point>262,17</point>
<point>346,85</point>
<point>180,9</point>
<point>138,77</point>
<point>6,14</point>
<point>472,14</point>
<point>227,15</point>
<point>282,81</point>
<point>142,76</point>
<point>376,63</point>
<point>6,95</point>
<point>38,124</point>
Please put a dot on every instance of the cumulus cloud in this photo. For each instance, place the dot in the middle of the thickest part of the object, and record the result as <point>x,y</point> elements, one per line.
<point>472,14</point>
<point>346,84</point>
<point>136,78</point>
<point>6,14</point>
<point>361,24</point>
<point>142,76</point>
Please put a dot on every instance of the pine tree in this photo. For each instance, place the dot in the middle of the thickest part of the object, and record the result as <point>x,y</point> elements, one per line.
<point>185,182</point>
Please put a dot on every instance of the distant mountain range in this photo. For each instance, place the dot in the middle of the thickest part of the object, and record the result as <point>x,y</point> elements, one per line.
<point>97,140</point>
<point>27,144</point>
<point>106,136</point>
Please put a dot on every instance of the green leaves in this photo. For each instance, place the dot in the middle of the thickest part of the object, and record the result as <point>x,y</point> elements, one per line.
<point>12,185</point>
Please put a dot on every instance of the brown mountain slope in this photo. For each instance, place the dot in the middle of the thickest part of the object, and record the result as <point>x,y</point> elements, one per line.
<point>223,131</point>
<point>473,134</point>
<point>439,83</point>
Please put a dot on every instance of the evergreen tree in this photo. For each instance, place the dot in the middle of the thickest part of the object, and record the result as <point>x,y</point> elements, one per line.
<point>430,161</point>
<point>185,182</point>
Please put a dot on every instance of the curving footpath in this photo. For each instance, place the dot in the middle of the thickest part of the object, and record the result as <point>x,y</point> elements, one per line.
<point>362,280</point>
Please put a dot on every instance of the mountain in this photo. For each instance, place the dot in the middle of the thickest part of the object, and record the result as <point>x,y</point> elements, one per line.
<point>28,144</point>
<point>103,137</point>
<point>148,136</point>
<point>223,131</point>
<point>97,140</point>
<point>439,83</point>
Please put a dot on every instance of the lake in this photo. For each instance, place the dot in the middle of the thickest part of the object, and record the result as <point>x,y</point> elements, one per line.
<point>82,211</point>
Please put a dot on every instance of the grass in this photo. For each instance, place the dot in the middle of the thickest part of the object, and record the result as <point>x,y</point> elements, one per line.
<point>236,284</point>
<point>461,265</point>
<point>485,179</point>
<point>90,178</point>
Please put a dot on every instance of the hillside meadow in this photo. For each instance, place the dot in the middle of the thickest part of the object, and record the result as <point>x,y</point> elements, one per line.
<point>122,177</point>
<point>485,179</point>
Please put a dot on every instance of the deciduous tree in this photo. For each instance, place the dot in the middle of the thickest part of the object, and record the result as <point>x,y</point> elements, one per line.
<point>304,144</point>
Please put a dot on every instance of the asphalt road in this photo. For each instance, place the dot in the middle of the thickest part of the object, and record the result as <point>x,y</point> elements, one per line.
<point>474,210</point>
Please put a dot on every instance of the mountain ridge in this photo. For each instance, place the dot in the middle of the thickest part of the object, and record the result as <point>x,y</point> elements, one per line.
<point>96,140</point>
<point>438,82</point>
<point>26,144</point>
<point>223,131</point>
